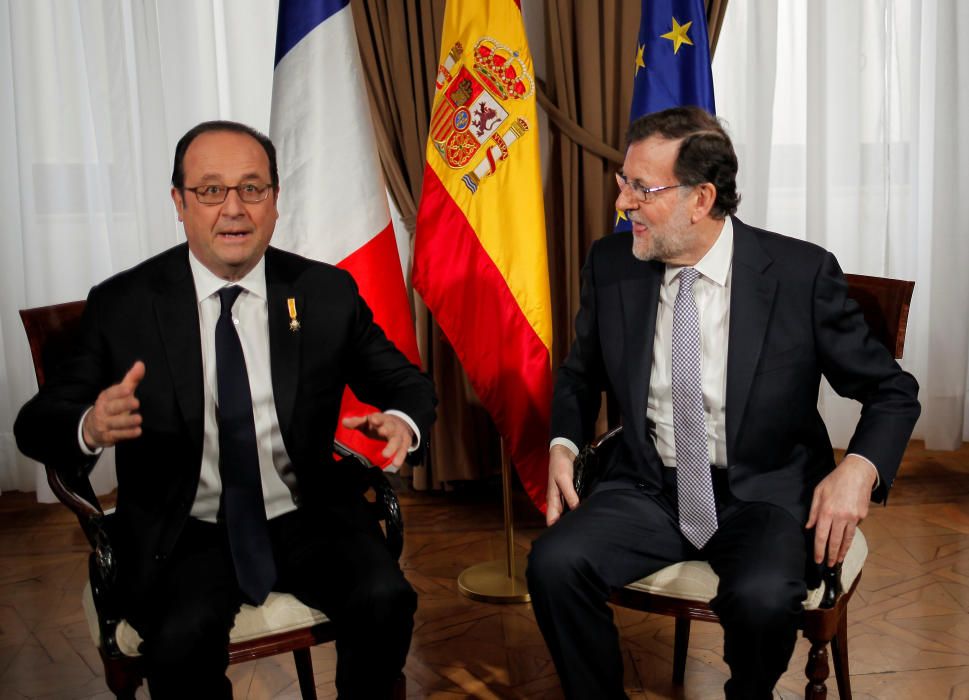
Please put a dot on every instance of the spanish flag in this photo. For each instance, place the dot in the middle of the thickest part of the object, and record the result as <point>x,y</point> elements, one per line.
<point>480,260</point>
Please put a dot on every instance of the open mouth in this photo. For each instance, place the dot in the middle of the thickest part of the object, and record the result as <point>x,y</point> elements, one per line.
<point>233,235</point>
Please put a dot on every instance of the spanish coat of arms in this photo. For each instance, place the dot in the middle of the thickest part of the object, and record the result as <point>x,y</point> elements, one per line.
<point>470,116</point>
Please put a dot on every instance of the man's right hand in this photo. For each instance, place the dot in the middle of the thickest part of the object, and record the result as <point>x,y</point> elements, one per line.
<point>115,414</point>
<point>561,491</point>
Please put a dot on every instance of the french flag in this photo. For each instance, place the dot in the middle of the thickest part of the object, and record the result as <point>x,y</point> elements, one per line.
<point>333,204</point>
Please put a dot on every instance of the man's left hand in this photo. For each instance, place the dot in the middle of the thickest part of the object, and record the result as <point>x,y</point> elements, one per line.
<point>840,502</point>
<point>388,427</point>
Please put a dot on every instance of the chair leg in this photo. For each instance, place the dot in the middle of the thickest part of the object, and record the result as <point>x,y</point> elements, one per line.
<point>817,671</point>
<point>304,672</point>
<point>681,643</point>
<point>839,654</point>
<point>122,676</point>
<point>399,691</point>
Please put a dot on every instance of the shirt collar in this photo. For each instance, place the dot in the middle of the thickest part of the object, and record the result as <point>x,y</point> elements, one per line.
<point>207,283</point>
<point>715,265</point>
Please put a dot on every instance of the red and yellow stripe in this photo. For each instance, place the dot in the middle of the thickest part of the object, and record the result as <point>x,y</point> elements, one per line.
<point>480,259</point>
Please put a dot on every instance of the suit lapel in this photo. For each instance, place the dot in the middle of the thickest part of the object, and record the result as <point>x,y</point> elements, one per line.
<point>176,313</point>
<point>284,343</point>
<point>751,301</point>
<point>640,299</point>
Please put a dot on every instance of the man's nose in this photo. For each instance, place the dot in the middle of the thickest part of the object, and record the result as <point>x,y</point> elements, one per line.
<point>625,201</point>
<point>232,206</point>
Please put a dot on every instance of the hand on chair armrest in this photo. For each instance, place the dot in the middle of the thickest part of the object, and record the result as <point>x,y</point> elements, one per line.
<point>387,504</point>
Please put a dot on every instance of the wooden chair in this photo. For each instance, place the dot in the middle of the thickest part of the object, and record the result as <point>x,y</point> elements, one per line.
<point>684,590</point>
<point>282,624</point>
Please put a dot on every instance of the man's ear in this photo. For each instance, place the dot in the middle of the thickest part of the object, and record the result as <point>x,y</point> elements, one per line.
<point>179,200</point>
<point>706,195</point>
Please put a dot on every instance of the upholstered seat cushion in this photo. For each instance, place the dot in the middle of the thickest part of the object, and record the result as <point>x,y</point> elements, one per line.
<point>280,613</point>
<point>695,580</point>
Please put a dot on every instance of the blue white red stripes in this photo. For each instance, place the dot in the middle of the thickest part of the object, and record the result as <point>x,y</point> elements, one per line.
<point>333,202</point>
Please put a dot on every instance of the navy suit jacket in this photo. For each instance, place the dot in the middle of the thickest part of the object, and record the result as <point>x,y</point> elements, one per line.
<point>150,313</point>
<point>791,322</point>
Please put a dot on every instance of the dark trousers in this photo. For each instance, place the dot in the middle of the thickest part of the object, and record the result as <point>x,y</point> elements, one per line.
<point>620,534</point>
<point>334,561</point>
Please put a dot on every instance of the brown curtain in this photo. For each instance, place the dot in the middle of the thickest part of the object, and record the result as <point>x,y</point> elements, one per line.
<point>716,11</point>
<point>400,46</point>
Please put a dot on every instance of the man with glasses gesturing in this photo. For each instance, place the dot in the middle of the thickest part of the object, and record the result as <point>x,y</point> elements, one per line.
<point>217,369</point>
<point>712,336</point>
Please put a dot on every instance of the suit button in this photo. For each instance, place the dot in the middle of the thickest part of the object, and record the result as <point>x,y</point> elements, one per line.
<point>161,557</point>
<point>641,485</point>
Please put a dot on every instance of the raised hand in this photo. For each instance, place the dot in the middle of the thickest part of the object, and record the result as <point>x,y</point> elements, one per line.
<point>115,414</point>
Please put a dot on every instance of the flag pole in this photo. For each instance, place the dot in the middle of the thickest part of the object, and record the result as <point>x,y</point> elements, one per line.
<point>499,581</point>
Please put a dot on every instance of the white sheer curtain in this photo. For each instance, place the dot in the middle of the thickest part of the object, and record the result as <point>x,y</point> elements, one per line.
<point>95,95</point>
<point>852,126</point>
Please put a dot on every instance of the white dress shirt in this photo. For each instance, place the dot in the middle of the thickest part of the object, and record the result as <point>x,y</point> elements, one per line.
<point>712,294</point>
<point>250,313</point>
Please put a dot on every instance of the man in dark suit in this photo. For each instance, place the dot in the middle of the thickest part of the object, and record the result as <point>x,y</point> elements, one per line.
<point>712,337</point>
<point>217,369</point>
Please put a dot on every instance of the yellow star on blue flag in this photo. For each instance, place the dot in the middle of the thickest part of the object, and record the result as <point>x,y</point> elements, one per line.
<point>678,35</point>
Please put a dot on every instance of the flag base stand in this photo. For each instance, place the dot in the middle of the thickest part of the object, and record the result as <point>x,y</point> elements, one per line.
<point>490,582</point>
<point>499,581</point>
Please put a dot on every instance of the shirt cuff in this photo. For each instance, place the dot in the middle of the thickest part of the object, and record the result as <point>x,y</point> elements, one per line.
<point>410,424</point>
<point>566,443</point>
<point>80,437</point>
<point>878,479</point>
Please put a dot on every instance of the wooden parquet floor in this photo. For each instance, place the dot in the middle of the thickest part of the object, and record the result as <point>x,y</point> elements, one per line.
<point>908,622</point>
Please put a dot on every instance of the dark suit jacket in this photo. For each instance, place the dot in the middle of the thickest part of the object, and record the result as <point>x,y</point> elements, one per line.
<point>790,322</point>
<point>150,313</point>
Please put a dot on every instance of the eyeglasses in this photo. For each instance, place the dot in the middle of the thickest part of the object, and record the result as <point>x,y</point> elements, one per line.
<point>249,192</point>
<point>643,194</point>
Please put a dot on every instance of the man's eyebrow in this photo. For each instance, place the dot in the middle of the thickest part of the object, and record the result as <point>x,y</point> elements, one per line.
<point>216,177</point>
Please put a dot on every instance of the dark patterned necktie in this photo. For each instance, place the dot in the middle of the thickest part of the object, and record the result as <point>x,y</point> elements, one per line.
<point>694,483</point>
<point>243,507</point>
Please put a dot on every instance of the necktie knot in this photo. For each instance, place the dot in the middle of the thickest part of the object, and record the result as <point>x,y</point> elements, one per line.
<point>688,275</point>
<point>228,296</point>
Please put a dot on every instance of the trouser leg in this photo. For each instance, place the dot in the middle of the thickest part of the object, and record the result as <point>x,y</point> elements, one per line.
<point>185,623</point>
<point>759,555</point>
<point>338,562</point>
<point>574,566</point>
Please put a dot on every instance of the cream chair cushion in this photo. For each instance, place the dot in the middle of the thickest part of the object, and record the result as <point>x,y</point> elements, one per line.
<point>281,612</point>
<point>695,580</point>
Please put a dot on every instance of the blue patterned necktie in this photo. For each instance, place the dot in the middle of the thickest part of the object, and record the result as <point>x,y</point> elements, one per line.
<point>243,506</point>
<point>694,483</point>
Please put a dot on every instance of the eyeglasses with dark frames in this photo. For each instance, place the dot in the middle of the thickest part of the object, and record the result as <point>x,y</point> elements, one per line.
<point>642,193</point>
<point>249,192</point>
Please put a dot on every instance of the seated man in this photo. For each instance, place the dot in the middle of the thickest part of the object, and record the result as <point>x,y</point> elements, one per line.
<point>217,368</point>
<point>712,336</point>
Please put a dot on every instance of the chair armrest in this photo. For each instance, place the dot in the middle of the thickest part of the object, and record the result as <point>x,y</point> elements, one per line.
<point>386,503</point>
<point>831,580</point>
<point>78,495</point>
<point>588,466</point>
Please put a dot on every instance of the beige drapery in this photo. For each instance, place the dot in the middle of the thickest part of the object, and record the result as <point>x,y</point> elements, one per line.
<point>587,93</point>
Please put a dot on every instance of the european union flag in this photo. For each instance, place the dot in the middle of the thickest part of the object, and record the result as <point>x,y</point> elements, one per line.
<point>672,62</point>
